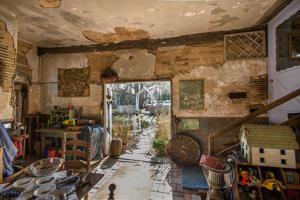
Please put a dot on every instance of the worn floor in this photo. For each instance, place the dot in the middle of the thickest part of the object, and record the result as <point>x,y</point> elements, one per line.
<point>137,175</point>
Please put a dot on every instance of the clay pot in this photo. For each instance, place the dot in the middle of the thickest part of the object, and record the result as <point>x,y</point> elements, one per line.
<point>116,147</point>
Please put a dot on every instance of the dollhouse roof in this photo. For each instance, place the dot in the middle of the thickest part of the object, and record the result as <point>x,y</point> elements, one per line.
<point>269,136</point>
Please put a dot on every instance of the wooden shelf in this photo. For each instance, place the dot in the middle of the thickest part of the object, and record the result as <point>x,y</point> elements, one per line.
<point>260,169</point>
<point>293,186</point>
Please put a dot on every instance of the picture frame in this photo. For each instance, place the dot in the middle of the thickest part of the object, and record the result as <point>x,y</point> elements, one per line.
<point>191,94</point>
<point>188,124</point>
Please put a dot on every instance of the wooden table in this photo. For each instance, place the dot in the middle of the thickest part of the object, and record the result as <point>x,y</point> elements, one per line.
<point>94,178</point>
<point>54,133</point>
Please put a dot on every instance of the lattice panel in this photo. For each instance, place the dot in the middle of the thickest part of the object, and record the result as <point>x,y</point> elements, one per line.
<point>245,45</point>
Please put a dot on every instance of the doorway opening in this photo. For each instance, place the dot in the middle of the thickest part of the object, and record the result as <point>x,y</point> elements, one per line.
<point>140,117</point>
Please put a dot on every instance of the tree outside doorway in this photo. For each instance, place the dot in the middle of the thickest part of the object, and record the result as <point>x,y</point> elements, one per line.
<point>142,107</point>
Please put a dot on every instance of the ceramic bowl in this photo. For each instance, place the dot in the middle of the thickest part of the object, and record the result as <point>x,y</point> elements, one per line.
<point>47,197</point>
<point>46,166</point>
<point>44,190</point>
<point>11,193</point>
<point>67,185</point>
<point>45,180</point>
<point>24,182</point>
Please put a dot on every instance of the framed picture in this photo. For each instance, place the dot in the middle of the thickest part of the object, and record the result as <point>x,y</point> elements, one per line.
<point>191,94</point>
<point>188,124</point>
<point>74,82</point>
<point>294,45</point>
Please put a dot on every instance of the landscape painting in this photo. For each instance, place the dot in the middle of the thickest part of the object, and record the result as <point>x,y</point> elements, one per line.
<point>191,94</point>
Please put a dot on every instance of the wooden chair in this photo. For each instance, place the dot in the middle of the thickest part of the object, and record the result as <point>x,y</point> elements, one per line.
<point>80,149</point>
<point>1,165</point>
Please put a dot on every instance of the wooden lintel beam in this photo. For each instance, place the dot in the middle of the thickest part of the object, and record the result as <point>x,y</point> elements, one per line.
<point>147,43</point>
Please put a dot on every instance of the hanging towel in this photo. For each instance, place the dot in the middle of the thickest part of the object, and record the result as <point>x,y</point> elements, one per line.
<point>9,151</point>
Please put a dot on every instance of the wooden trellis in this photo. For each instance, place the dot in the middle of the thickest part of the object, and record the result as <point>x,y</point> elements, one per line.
<point>245,45</point>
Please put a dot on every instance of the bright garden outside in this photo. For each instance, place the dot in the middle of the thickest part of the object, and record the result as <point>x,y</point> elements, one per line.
<point>142,107</point>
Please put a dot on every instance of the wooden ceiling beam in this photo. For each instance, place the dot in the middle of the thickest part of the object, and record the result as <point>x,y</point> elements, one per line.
<point>147,43</point>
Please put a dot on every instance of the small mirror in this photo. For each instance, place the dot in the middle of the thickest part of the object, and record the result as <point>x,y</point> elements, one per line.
<point>294,45</point>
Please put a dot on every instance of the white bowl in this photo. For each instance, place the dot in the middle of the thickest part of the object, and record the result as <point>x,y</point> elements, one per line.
<point>45,180</point>
<point>44,190</point>
<point>47,197</point>
<point>24,182</point>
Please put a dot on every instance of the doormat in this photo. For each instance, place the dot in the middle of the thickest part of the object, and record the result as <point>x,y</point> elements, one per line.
<point>194,178</point>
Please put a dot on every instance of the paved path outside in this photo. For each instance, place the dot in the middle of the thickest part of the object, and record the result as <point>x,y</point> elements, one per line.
<point>137,175</point>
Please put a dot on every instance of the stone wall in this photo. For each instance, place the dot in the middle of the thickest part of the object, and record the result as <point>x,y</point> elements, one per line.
<point>8,31</point>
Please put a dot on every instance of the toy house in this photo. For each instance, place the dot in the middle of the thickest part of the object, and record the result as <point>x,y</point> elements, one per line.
<point>269,145</point>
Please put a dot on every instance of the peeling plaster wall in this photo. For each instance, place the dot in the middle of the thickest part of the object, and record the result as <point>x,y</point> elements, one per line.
<point>48,83</point>
<point>34,88</point>
<point>187,62</point>
<point>7,96</point>
<point>117,20</point>
<point>177,63</point>
<point>134,64</point>
<point>233,76</point>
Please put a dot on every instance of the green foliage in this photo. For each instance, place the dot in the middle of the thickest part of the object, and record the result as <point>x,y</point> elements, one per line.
<point>120,129</point>
<point>162,135</point>
<point>165,96</point>
<point>145,124</point>
<point>159,146</point>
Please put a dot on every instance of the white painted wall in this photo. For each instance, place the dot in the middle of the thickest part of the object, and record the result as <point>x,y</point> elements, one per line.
<point>48,84</point>
<point>34,88</point>
<point>246,148</point>
<point>285,81</point>
<point>273,157</point>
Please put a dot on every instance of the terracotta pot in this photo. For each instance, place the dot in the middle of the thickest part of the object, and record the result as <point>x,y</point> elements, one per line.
<point>124,148</point>
<point>116,147</point>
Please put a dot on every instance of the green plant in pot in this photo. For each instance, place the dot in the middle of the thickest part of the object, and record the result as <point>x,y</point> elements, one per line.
<point>159,146</point>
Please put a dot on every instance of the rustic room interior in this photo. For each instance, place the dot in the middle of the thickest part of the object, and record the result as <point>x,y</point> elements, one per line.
<point>206,102</point>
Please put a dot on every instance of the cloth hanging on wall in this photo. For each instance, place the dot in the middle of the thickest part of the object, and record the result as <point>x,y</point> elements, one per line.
<point>9,151</point>
<point>74,82</point>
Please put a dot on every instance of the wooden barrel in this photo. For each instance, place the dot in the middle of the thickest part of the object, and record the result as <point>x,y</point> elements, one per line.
<point>116,147</point>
